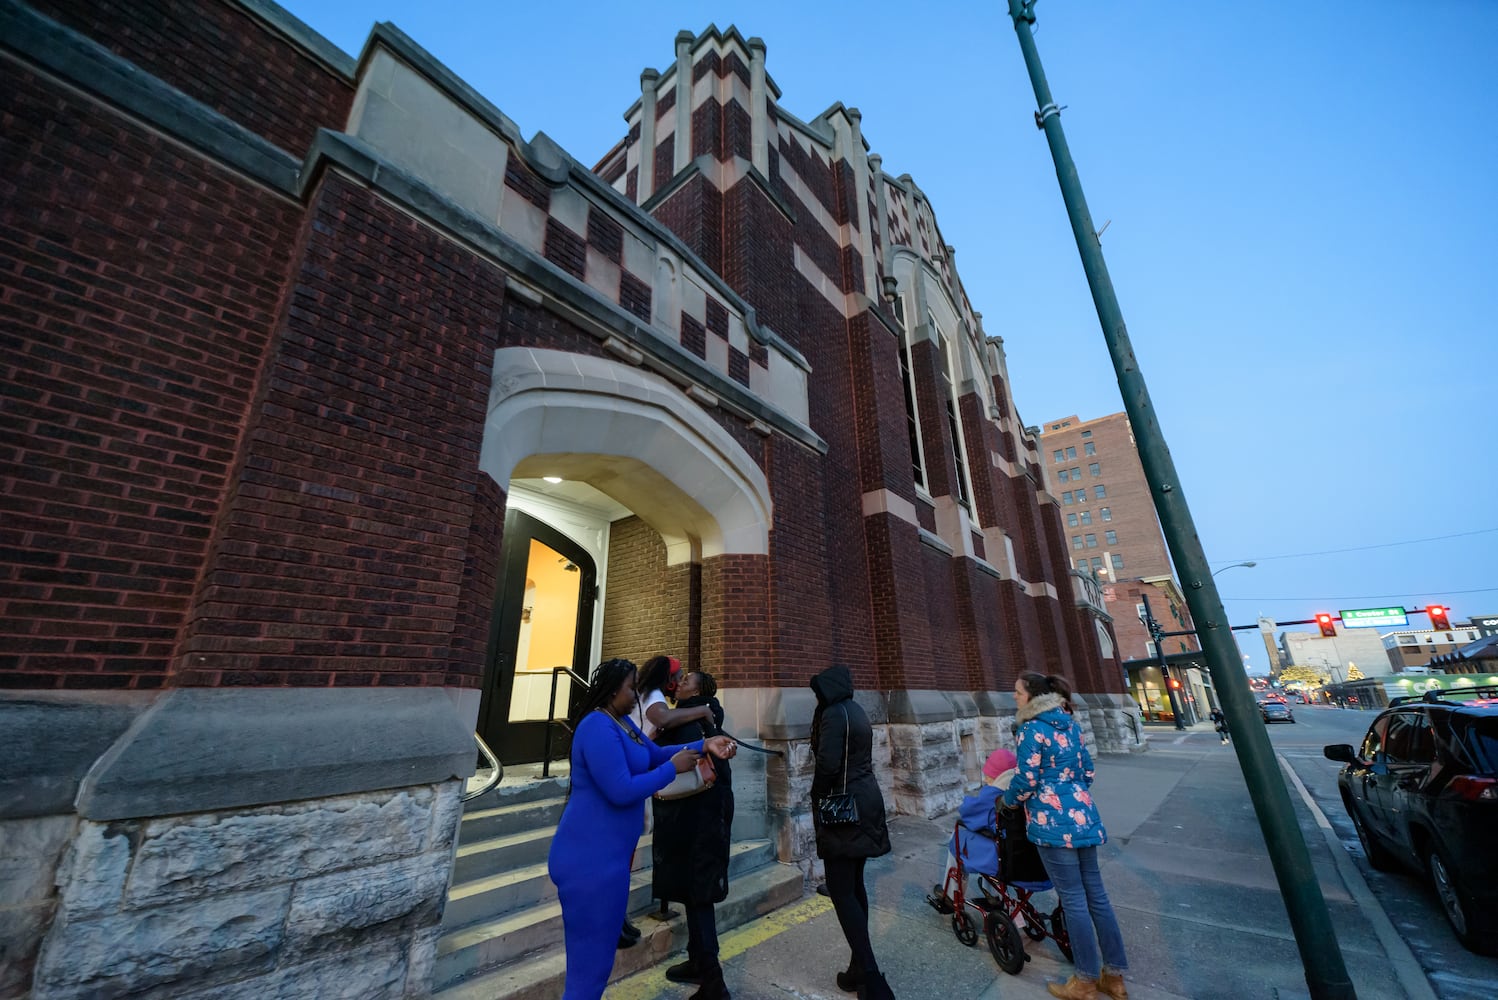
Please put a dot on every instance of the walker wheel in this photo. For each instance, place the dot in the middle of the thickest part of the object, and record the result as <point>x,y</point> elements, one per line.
<point>1004,942</point>
<point>963,927</point>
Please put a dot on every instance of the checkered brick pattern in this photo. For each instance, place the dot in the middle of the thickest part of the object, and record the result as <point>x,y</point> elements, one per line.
<point>591,243</point>
<point>899,216</point>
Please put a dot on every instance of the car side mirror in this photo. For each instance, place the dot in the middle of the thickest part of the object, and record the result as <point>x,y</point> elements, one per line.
<point>1340,752</point>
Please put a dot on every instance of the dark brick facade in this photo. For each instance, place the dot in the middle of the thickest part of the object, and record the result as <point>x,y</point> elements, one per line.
<point>243,429</point>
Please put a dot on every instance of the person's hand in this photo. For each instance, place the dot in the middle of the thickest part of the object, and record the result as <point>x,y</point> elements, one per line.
<point>721,747</point>
<point>684,759</point>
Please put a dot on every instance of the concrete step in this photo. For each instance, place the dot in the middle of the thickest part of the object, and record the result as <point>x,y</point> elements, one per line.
<point>517,817</point>
<point>538,975</point>
<point>496,854</point>
<point>495,939</point>
<point>518,788</point>
<point>516,888</point>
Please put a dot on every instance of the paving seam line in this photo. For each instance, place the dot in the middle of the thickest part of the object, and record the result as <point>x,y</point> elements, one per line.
<point>1406,966</point>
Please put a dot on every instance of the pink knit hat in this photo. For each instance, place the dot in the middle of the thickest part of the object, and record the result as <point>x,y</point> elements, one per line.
<point>998,762</point>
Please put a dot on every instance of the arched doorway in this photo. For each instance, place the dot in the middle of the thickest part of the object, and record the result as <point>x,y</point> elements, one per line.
<point>643,449</point>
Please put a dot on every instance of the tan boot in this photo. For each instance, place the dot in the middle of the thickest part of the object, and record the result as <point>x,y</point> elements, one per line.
<point>1112,984</point>
<point>1074,989</point>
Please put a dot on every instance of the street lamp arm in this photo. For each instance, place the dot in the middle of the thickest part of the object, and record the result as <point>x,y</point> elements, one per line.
<point>1250,565</point>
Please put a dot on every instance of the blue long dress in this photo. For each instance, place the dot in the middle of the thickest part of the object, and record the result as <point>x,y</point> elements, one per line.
<point>614,771</point>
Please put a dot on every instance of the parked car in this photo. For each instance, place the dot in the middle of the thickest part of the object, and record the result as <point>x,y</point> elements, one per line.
<point>1276,711</point>
<point>1422,791</point>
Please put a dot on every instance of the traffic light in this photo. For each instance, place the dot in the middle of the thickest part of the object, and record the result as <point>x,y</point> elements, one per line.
<point>1438,616</point>
<point>1325,623</point>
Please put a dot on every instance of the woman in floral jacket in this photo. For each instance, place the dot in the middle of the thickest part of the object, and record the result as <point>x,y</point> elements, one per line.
<point>1055,773</point>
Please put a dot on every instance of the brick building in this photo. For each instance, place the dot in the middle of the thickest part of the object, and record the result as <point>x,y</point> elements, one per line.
<point>338,415</point>
<point>1113,532</point>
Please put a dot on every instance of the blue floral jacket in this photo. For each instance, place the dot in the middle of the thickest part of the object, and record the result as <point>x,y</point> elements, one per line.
<point>1055,773</point>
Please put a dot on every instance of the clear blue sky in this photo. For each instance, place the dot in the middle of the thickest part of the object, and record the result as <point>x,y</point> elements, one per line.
<point>1304,198</point>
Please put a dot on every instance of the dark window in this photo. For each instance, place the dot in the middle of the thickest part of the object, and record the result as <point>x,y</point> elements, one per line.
<point>1111,537</point>
<point>1092,541</point>
<point>1071,453</point>
<point>1096,468</point>
<point>1405,743</point>
<point>1064,476</point>
<point>1066,498</point>
<point>1089,448</point>
<point>1099,491</point>
<point>913,428</point>
<point>1118,562</point>
<point>958,458</point>
<point>1087,434</point>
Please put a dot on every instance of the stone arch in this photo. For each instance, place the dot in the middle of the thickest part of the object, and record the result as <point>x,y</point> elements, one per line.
<point>632,436</point>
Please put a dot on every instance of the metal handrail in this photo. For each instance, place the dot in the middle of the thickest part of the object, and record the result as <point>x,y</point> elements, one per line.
<point>551,714</point>
<point>497,774</point>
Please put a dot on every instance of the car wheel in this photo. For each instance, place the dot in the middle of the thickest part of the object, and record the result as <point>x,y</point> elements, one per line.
<point>1378,856</point>
<point>1474,929</point>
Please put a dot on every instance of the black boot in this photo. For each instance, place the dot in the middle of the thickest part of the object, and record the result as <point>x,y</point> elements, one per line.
<point>630,930</point>
<point>690,971</point>
<point>713,986</point>
<point>852,980</point>
<point>875,987</point>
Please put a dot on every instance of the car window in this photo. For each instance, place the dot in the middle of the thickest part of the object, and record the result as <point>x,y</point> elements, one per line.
<point>1399,740</point>
<point>1479,737</point>
<point>1374,741</point>
<point>1422,740</point>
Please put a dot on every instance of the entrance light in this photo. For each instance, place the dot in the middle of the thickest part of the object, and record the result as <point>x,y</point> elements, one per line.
<point>553,480</point>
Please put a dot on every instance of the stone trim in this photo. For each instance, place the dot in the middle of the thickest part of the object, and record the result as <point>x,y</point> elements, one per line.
<point>199,749</point>
<point>303,35</point>
<point>51,741</point>
<point>89,66</point>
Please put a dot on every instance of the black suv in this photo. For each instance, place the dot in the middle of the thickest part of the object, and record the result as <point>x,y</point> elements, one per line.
<point>1422,790</point>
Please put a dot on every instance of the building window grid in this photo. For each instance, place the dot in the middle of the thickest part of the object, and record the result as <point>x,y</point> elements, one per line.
<point>1089,448</point>
<point>1086,517</point>
<point>1106,513</point>
<point>1096,469</point>
<point>1111,536</point>
<point>1099,491</point>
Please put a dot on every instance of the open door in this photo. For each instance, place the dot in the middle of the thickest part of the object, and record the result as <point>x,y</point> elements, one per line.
<point>547,592</point>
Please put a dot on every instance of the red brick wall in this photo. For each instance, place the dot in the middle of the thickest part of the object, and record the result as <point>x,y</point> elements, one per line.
<point>141,288</point>
<point>340,555</point>
<point>647,605</point>
<point>217,53</point>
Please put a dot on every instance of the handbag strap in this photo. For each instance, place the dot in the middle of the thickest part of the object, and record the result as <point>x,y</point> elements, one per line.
<point>847,738</point>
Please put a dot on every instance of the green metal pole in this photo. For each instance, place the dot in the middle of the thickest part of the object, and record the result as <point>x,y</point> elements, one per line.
<point>1326,973</point>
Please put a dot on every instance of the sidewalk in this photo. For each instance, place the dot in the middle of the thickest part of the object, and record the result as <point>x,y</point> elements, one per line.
<point>1185,866</point>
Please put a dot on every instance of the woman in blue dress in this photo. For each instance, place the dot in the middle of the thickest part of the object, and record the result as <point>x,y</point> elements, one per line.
<point>615,768</point>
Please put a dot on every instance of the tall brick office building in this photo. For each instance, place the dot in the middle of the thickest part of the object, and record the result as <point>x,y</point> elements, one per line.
<point>337,414</point>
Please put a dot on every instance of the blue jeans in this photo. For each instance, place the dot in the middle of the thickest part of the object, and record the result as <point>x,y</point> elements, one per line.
<point>1078,883</point>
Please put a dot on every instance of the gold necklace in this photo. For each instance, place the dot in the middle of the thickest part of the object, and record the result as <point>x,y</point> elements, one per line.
<point>632,733</point>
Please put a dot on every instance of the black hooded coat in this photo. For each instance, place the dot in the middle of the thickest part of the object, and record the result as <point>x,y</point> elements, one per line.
<point>840,732</point>
<point>690,841</point>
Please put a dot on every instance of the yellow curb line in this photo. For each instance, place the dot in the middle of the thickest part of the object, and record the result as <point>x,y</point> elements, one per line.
<point>652,982</point>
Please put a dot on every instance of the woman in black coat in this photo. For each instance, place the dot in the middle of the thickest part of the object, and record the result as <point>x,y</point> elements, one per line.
<point>691,844</point>
<point>842,742</point>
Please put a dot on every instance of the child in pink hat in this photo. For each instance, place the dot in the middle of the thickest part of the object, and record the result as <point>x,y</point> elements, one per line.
<point>980,854</point>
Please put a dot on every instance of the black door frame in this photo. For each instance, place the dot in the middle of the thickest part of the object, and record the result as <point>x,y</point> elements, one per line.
<point>523,742</point>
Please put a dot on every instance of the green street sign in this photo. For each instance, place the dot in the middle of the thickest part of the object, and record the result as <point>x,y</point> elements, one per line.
<point>1374,617</point>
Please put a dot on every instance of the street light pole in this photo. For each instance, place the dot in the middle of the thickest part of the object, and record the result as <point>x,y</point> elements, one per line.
<point>1326,972</point>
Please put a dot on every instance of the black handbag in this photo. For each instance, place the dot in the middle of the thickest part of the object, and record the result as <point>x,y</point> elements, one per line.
<point>840,808</point>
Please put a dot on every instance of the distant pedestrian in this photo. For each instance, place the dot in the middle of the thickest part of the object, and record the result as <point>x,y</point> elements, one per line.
<point>1055,773</point>
<point>1220,723</point>
<point>842,744</point>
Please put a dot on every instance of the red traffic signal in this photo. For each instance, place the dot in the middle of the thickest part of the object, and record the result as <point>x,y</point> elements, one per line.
<point>1438,616</point>
<point>1326,624</point>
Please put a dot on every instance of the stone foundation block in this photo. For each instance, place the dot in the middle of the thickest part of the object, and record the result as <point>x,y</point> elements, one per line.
<point>164,950</point>
<point>187,857</point>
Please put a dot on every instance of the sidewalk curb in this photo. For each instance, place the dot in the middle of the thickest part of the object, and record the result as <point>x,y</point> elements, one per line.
<point>1406,967</point>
